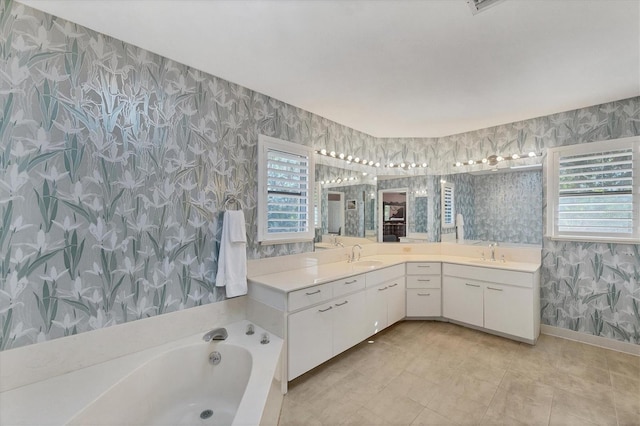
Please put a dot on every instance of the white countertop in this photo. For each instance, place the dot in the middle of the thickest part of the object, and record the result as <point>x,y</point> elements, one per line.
<point>296,279</point>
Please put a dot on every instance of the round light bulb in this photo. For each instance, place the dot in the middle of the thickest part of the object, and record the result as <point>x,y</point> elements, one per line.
<point>371,163</point>
<point>402,165</point>
<point>532,154</point>
<point>424,164</point>
<point>341,156</point>
<point>364,173</point>
<point>484,161</point>
<point>323,151</point>
<point>458,164</point>
<point>413,164</point>
<point>332,153</point>
<point>377,164</point>
<point>470,162</point>
<point>357,159</point>
<point>499,158</point>
<point>349,157</point>
<point>390,164</point>
<point>515,156</point>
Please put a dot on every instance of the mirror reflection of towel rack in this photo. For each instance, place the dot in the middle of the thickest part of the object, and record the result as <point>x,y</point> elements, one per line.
<point>232,203</point>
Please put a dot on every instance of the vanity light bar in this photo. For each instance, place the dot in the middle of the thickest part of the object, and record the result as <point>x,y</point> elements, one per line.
<point>492,160</point>
<point>368,162</point>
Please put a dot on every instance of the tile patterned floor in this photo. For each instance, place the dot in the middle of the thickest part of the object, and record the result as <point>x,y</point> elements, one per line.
<point>434,373</point>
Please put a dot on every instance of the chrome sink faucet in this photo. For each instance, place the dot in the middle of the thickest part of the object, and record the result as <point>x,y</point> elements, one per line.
<point>493,246</point>
<point>353,255</point>
<point>216,334</point>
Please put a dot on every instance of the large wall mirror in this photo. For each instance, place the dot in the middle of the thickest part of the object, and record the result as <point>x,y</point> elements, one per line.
<point>349,204</point>
<point>502,206</point>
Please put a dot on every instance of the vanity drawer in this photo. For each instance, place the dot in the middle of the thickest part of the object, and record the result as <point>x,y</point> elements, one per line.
<point>423,303</point>
<point>423,268</point>
<point>424,281</point>
<point>309,296</point>
<point>386,274</point>
<point>348,285</point>
<point>490,275</point>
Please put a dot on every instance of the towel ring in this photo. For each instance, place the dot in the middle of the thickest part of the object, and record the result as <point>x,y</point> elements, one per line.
<point>231,200</point>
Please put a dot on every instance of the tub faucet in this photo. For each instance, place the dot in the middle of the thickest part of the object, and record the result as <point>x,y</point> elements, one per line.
<point>493,246</point>
<point>216,334</point>
<point>353,255</point>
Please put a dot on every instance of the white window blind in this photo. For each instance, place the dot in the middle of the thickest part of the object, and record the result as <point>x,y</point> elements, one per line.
<point>287,192</point>
<point>285,187</point>
<point>448,210</point>
<point>595,191</point>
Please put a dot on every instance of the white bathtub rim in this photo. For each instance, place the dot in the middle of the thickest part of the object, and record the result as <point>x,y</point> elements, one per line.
<point>60,399</point>
<point>257,389</point>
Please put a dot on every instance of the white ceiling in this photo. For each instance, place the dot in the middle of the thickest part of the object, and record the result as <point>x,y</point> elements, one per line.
<point>395,68</point>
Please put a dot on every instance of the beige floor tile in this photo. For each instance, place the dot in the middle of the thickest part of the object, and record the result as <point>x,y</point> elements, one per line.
<point>457,408</point>
<point>584,385</point>
<point>413,387</point>
<point>493,419</point>
<point>560,417</point>
<point>526,407</point>
<point>625,383</point>
<point>357,387</point>
<point>600,411</point>
<point>625,364</point>
<point>428,417</point>
<point>394,408</point>
<point>295,414</point>
<point>364,417</point>
<point>471,388</point>
<point>479,370</point>
<point>522,398</point>
<point>440,374</point>
<point>463,376</point>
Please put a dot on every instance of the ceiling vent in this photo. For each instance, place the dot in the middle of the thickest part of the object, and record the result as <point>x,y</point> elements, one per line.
<point>478,6</point>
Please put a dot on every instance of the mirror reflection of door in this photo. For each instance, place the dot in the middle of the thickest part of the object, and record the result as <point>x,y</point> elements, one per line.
<point>335,212</point>
<point>392,212</point>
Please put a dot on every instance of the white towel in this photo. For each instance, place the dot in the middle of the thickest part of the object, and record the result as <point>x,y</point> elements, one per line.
<point>460,227</point>
<point>232,259</point>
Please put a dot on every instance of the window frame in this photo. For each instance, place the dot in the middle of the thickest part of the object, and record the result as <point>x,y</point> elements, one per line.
<point>553,190</point>
<point>443,205</point>
<point>265,145</point>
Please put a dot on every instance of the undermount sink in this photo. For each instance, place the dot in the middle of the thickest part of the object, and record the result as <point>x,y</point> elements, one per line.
<point>367,263</point>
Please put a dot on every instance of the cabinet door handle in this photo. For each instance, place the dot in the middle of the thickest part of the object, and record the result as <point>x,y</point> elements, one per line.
<point>424,294</point>
<point>496,289</point>
<point>382,289</point>
<point>472,285</point>
<point>424,281</point>
<point>393,285</point>
<point>313,292</point>
<point>424,266</point>
<point>351,282</point>
<point>325,310</point>
<point>343,303</point>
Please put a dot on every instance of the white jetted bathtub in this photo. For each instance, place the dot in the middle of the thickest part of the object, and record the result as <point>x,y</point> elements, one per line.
<point>172,384</point>
<point>182,386</point>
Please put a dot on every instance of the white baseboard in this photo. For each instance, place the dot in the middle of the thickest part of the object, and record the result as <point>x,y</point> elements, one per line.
<point>590,339</point>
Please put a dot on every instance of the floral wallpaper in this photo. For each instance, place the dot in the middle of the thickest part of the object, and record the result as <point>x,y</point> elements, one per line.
<point>114,167</point>
<point>115,164</point>
<point>585,287</point>
<point>508,207</point>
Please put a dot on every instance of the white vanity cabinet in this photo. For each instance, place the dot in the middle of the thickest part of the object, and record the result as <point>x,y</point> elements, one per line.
<point>499,300</point>
<point>424,289</point>
<point>385,298</point>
